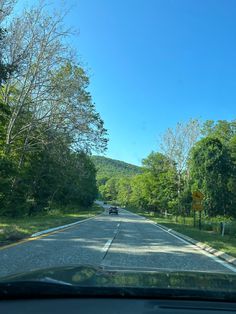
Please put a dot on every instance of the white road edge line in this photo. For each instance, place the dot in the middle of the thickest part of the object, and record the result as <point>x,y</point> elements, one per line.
<point>62,227</point>
<point>107,245</point>
<point>216,259</point>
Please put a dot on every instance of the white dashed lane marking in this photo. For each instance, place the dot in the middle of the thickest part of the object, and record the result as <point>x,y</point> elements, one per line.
<point>107,245</point>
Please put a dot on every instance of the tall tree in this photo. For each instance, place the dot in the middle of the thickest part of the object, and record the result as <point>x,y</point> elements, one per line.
<point>232,180</point>
<point>176,144</point>
<point>124,190</point>
<point>48,121</point>
<point>6,69</point>
<point>109,191</point>
<point>50,85</point>
<point>161,181</point>
<point>210,168</point>
<point>222,129</point>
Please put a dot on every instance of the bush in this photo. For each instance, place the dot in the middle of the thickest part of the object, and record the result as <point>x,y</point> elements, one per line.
<point>207,226</point>
<point>12,233</point>
<point>230,228</point>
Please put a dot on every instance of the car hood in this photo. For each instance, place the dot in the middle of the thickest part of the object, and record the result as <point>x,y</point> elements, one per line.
<point>97,277</point>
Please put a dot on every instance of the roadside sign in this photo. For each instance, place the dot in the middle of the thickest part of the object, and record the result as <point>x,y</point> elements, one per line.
<point>197,200</point>
<point>197,206</point>
<point>197,195</point>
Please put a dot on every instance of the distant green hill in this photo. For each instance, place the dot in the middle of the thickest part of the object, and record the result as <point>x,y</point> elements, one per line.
<point>107,167</point>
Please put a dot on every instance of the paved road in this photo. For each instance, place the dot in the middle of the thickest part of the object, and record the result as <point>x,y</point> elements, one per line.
<point>123,241</point>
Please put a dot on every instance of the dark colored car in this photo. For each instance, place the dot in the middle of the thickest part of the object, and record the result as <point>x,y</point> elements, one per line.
<point>113,210</point>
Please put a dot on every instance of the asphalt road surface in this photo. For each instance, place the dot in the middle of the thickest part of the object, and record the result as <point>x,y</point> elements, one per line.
<point>123,241</point>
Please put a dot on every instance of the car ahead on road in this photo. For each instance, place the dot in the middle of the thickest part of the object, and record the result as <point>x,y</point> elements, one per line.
<point>113,210</point>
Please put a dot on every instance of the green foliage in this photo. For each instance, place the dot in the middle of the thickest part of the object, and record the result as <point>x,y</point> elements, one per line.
<point>221,129</point>
<point>49,177</point>
<point>232,179</point>
<point>185,201</point>
<point>48,122</point>
<point>79,185</point>
<point>114,178</point>
<point>5,69</point>
<point>210,168</point>
<point>160,188</point>
<point>124,191</point>
<point>160,182</point>
<point>107,168</point>
<point>7,172</point>
<point>109,191</point>
<point>153,189</point>
<point>140,197</point>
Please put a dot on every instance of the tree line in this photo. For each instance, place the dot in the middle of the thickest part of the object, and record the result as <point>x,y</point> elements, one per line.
<point>48,122</point>
<point>192,157</point>
<point>108,168</point>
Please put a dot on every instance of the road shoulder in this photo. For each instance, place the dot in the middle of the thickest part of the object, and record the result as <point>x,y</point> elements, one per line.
<point>226,257</point>
<point>48,231</point>
<point>220,254</point>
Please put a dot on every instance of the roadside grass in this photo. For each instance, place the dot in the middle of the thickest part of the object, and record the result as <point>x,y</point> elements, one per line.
<point>226,244</point>
<point>15,229</point>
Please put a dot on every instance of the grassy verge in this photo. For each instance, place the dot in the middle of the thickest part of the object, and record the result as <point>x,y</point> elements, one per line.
<point>15,229</point>
<point>226,244</point>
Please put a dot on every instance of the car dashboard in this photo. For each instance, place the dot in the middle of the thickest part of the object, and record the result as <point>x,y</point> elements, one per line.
<point>112,305</point>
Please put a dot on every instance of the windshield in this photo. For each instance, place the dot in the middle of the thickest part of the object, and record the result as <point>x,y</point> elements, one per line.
<point>118,143</point>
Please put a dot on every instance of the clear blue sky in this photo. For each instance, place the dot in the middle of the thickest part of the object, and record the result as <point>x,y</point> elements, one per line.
<point>154,63</point>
